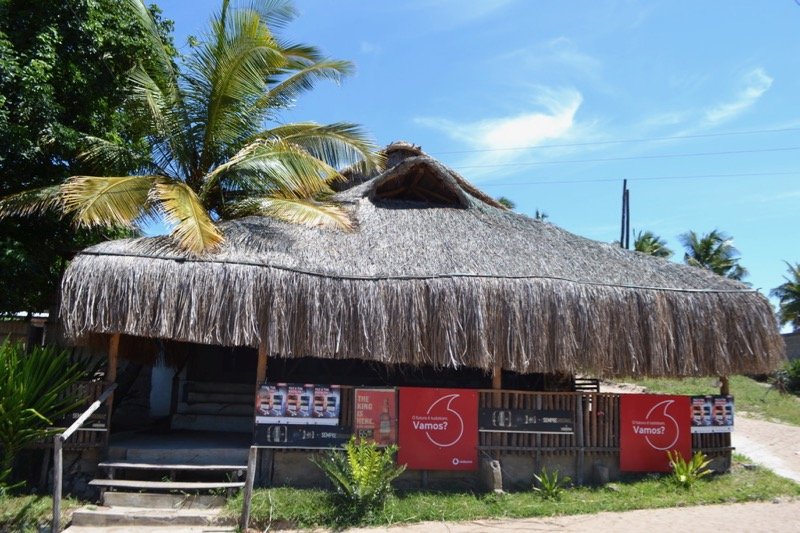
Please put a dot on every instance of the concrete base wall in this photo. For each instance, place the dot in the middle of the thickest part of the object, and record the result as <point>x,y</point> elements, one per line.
<point>295,469</point>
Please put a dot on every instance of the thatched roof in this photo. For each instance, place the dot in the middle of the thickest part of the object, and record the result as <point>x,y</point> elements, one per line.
<point>436,272</point>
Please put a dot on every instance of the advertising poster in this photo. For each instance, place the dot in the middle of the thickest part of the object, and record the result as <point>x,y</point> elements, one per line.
<point>650,426</point>
<point>438,429</point>
<point>376,415</point>
<point>298,404</point>
<point>294,436</point>
<point>712,414</point>
<point>492,420</point>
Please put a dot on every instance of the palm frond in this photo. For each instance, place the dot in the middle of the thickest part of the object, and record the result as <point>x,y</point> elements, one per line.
<point>162,60</point>
<point>107,201</point>
<point>110,157</point>
<point>302,79</point>
<point>193,230</point>
<point>306,212</point>
<point>172,137</point>
<point>31,202</point>
<point>272,168</point>
<point>229,72</point>
<point>340,144</point>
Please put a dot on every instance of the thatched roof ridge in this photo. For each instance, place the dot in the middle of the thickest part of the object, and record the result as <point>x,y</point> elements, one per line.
<point>455,280</point>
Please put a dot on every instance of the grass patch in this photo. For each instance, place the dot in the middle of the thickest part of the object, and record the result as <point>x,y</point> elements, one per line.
<point>311,508</point>
<point>755,398</point>
<point>27,513</point>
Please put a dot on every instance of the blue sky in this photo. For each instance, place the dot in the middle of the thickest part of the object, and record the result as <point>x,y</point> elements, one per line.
<point>552,104</point>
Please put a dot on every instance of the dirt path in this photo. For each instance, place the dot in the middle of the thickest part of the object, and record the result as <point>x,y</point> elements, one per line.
<point>740,517</point>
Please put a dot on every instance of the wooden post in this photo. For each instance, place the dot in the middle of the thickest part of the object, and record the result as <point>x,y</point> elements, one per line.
<point>58,459</point>
<point>252,456</point>
<point>724,386</point>
<point>579,438</point>
<point>261,371</point>
<point>113,356</point>
<point>497,385</point>
<point>111,373</point>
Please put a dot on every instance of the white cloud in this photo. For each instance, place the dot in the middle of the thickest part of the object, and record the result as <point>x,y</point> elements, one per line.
<point>554,120</point>
<point>755,83</point>
<point>507,139</point>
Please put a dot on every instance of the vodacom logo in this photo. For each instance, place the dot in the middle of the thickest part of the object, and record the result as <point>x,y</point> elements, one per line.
<point>441,423</point>
<point>660,429</point>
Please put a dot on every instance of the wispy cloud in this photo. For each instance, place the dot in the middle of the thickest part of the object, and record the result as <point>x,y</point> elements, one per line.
<point>559,53</point>
<point>500,140</point>
<point>754,83</point>
<point>554,119</point>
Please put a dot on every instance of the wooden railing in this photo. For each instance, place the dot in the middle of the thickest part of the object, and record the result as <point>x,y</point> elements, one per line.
<point>58,452</point>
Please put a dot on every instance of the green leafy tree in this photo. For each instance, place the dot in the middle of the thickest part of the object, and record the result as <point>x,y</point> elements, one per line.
<point>209,156</point>
<point>713,251</point>
<point>788,295</point>
<point>64,66</point>
<point>34,394</point>
<point>649,243</point>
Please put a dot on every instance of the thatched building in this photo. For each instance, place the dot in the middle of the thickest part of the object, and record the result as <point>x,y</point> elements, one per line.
<point>438,284</point>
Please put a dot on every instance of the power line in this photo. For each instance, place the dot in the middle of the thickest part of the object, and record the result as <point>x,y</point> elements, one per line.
<point>630,158</point>
<point>544,181</point>
<point>619,141</point>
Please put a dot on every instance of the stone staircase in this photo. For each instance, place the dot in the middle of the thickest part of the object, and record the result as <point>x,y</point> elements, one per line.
<point>215,407</point>
<point>180,478</point>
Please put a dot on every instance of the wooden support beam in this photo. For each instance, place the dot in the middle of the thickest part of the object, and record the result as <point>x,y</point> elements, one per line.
<point>261,371</point>
<point>724,386</point>
<point>113,357</point>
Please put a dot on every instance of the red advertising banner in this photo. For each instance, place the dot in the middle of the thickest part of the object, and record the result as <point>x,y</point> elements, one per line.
<point>376,415</point>
<point>438,429</point>
<point>650,426</point>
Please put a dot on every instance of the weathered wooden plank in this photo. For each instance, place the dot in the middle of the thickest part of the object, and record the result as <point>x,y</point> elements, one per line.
<point>165,485</point>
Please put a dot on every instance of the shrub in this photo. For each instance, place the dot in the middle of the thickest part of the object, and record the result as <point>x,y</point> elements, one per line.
<point>550,485</point>
<point>33,395</point>
<point>362,477</point>
<point>686,473</point>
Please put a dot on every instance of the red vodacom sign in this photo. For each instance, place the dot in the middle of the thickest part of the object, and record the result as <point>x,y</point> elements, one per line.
<point>650,426</point>
<point>438,429</point>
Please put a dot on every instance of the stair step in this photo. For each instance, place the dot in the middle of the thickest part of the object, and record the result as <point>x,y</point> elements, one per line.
<point>230,388</point>
<point>221,397</point>
<point>167,466</point>
<point>216,408</point>
<point>152,500</point>
<point>166,485</point>
<point>212,423</point>
<point>96,516</point>
<point>198,456</point>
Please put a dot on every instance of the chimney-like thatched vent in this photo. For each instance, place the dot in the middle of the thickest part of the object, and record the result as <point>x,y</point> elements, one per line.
<point>419,184</point>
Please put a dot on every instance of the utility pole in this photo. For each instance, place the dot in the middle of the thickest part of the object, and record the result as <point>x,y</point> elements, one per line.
<point>625,223</point>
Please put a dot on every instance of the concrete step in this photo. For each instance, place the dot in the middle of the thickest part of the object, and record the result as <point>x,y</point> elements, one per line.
<point>222,397</point>
<point>240,424</point>
<point>230,388</point>
<point>152,500</point>
<point>166,485</point>
<point>193,456</point>
<point>216,408</point>
<point>137,517</point>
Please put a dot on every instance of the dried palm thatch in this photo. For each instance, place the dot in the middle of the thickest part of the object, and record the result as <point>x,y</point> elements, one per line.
<point>436,273</point>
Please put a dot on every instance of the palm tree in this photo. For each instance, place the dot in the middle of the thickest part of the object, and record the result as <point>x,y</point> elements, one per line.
<point>506,202</point>
<point>714,252</point>
<point>211,157</point>
<point>651,244</point>
<point>788,295</point>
